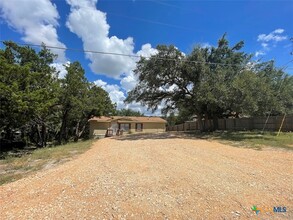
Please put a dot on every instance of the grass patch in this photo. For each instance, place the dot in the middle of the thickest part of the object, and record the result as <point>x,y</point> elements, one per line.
<point>253,139</point>
<point>14,168</point>
<point>9,178</point>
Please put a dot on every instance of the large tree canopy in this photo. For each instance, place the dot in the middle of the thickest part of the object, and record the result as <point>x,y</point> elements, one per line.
<point>211,82</point>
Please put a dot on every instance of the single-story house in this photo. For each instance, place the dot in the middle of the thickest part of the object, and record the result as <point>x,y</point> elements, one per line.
<point>127,124</point>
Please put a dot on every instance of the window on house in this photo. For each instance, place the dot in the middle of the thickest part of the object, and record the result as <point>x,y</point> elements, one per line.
<point>124,127</point>
<point>138,126</point>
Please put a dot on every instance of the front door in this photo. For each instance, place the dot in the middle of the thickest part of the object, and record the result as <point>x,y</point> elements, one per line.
<point>114,127</point>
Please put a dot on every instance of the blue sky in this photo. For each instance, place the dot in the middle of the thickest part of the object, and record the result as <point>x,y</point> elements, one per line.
<point>136,27</point>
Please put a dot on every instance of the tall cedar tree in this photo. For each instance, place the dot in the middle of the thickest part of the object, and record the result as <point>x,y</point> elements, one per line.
<point>28,91</point>
<point>39,104</point>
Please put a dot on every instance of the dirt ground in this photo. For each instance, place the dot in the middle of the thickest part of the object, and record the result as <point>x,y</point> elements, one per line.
<point>157,177</point>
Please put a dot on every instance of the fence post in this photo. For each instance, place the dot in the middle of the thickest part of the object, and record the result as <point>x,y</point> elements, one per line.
<point>281,125</point>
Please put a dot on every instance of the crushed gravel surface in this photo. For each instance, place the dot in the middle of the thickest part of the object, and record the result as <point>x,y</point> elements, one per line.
<point>157,177</point>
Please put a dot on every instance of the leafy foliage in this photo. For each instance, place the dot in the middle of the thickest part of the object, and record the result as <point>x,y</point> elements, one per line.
<point>211,83</point>
<point>128,112</point>
<point>39,104</point>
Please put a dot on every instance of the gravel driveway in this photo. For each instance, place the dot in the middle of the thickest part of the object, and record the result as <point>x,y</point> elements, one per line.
<point>156,177</point>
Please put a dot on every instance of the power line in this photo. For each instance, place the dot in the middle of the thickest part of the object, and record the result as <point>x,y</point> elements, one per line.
<point>122,54</point>
<point>78,50</point>
<point>133,55</point>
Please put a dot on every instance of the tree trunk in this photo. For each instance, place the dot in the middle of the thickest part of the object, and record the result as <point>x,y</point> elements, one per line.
<point>215,123</point>
<point>8,133</point>
<point>39,139</point>
<point>44,135</point>
<point>76,136</point>
<point>78,132</point>
<point>32,135</point>
<point>81,132</point>
<point>63,127</point>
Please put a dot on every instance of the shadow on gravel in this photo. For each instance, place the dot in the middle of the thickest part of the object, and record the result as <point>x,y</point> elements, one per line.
<point>250,139</point>
<point>165,135</point>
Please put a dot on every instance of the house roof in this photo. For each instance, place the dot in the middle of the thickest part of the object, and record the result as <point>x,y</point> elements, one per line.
<point>127,119</point>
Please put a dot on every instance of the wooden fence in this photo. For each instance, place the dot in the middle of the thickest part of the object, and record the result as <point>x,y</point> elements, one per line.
<point>272,123</point>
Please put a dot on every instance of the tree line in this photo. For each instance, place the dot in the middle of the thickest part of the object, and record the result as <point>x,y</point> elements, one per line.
<point>42,107</point>
<point>211,83</point>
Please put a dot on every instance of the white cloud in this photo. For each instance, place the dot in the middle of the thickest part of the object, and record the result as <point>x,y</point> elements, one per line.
<point>147,50</point>
<point>271,37</point>
<point>274,36</point>
<point>278,31</point>
<point>264,45</point>
<point>115,93</point>
<point>78,3</point>
<point>91,26</point>
<point>37,20</point>
<point>61,68</point>
<point>129,82</point>
<point>269,40</point>
<point>100,83</point>
<point>117,96</point>
<point>137,107</point>
<point>259,53</point>
<point>205,45</point>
